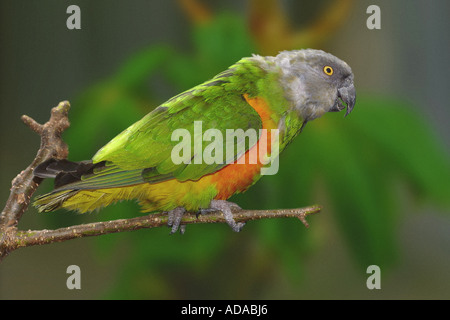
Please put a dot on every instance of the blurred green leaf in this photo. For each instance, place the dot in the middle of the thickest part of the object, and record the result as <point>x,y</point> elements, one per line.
<point>217,45</point>
<point>410,143</point>
<point>364,158</point>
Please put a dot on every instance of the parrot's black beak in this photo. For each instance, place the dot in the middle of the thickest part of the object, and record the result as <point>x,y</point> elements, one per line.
<point>346,94</point>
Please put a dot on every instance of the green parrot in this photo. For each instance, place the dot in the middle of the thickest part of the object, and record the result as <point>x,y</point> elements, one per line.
<point>278,94</point>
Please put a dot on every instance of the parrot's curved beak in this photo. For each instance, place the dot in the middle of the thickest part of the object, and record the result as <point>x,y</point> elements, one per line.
<point>346,94</point>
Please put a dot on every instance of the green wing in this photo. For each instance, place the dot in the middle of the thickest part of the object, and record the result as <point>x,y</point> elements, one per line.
<point>147,144</point>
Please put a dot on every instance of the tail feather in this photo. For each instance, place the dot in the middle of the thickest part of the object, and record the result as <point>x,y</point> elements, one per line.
<point>53,201</point>
<point>89,199</point>
<point>85,186</point>
<point>66,172</point>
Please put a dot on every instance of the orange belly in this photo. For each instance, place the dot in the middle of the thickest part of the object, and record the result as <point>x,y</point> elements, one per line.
<point>237,177</point>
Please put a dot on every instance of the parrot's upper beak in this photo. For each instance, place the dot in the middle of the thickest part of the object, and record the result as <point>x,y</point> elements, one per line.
<point>347,94</point>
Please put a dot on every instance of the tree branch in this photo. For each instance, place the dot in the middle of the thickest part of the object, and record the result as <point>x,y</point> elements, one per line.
<point>25,183</point>
<point>52,146</point>
<point>20,239</point>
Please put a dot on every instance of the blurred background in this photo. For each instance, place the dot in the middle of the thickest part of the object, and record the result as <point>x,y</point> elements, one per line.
<point>382,174</point>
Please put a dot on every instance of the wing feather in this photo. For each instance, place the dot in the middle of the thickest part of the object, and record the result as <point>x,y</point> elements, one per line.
<point>147,144</point>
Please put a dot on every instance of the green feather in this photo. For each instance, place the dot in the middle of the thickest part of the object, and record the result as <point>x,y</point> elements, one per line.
<point>218,103</point>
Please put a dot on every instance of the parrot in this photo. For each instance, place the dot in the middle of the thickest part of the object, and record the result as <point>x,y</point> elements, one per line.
<point>282,92</point>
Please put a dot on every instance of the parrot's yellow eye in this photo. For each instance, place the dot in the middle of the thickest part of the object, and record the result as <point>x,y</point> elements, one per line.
<point>328,70</point>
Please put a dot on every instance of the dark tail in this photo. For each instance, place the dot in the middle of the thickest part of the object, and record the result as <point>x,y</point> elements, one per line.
<point>81,185</point>
<point>65,171</point>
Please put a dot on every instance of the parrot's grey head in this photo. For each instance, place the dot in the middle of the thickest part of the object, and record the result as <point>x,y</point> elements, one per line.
<point>316,82</point>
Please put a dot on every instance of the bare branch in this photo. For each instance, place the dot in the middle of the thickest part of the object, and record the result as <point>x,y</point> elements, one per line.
<point>21,239</point>
<point>30,122</point>
<point>25,184</point>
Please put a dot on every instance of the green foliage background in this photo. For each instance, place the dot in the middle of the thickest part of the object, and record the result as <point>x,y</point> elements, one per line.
<point>368,170</point>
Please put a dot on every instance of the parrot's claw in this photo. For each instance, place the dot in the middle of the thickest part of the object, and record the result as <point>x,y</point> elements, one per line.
<point>174,220</point>
<point>225,208</point>
<point>175,215</point>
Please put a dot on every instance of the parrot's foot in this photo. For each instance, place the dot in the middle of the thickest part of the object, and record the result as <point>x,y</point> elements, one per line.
<point>174,220</point>
<point>225,207</point>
